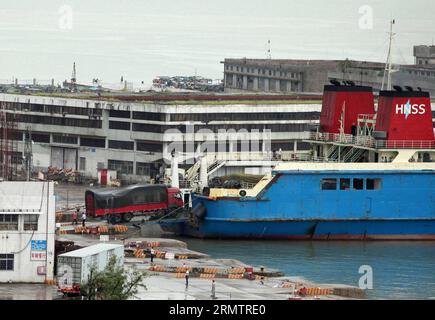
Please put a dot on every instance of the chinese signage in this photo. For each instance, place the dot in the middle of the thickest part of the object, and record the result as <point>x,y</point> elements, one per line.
<point>38,250</point>
<point>38,255</point>
<point>39,245</point>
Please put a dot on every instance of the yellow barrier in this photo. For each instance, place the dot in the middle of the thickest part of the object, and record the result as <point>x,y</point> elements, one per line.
<point>210,270</point>
<point>182,257</point>
<point>235,276</point>
<point>207,276</point>
<point>153,244</point>
<point>318,292</point>
<point>183,269</point>
<point>237,270</point>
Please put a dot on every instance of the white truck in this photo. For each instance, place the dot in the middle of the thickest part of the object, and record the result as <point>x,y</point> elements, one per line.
<point>73,267</point>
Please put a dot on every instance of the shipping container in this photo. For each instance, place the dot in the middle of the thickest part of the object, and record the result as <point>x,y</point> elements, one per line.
<point>73,267</point>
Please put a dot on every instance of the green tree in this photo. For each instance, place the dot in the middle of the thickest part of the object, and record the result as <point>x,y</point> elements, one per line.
<point>113,283</point>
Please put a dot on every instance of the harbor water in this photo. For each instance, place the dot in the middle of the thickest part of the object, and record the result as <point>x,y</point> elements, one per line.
<point>401,270</point>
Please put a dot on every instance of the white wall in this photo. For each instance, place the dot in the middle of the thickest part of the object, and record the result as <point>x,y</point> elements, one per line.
<point>28,196</point>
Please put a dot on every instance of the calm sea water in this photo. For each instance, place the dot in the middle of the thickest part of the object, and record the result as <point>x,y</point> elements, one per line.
<point>140,39</point>
<point>401,270</point>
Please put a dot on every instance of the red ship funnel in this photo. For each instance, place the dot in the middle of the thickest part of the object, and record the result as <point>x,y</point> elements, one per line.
<point>405,115</point>
<point>353,100</point>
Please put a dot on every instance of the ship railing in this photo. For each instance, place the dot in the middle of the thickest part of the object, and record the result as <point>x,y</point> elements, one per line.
<point>332,137</point>
<point>405,144</point>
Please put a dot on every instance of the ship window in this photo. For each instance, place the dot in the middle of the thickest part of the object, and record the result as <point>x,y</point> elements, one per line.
<point>358,184</point>
<point>373,184</point>
<point>344,184</point>
<point>329,184</point>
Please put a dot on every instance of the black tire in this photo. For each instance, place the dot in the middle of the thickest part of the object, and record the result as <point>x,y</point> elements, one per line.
<point>126,217</point>
<point>242,193</point>
<point>115,218</point>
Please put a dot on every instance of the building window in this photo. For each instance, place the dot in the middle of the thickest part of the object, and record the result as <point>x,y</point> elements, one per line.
<point>9,222</point>
<point>31,222</point>
<point>124,167</point>
<point>344,184</point>
<point>93,142</point>
<point>373,184</point>
<point>65,139</point>
<point>143,169</point>
<point>358,184</point>
<point>41,138</point>
<point>149,147</point>
<point>329,184</point>
<point>123,145</point>
<point>119,125</point>
<point>6,262</point>
<point>119,114</point>
<point>82,164</point>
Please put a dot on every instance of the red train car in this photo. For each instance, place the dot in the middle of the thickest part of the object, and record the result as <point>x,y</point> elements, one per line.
<point>122,204</point>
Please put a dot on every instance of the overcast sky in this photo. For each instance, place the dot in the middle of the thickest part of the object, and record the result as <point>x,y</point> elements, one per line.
<point>141,39</point>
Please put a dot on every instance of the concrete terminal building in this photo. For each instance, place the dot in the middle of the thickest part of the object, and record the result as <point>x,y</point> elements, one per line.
<point>285,76</point>
<point>131,136</point>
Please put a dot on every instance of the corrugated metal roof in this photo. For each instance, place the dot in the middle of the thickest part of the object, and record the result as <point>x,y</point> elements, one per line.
<point>91,250</point>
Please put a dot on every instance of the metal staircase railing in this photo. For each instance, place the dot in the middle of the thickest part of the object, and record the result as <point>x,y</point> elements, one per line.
<point>357,155</point>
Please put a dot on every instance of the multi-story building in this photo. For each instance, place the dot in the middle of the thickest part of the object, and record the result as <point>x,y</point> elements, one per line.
<point>287,75</point>
<point>134,137</point>
<point>27,231</point>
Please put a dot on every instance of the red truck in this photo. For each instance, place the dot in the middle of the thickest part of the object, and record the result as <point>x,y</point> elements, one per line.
<point>122,204</point>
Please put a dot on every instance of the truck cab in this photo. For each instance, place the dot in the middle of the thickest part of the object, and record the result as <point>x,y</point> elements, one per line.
<point>175,199</point>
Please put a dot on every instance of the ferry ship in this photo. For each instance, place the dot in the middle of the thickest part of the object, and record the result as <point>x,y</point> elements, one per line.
<point>371,176</point>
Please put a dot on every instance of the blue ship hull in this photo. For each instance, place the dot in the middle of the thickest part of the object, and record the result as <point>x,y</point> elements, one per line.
<point>293,206</point>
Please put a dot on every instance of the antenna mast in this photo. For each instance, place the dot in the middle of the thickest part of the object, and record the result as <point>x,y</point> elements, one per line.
<point>388,64</point>
<point>74,78</point>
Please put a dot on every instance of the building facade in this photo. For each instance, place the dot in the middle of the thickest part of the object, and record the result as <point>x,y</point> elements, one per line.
<point>134,138</point>
<point>27,231</point>
<point>309,76</point>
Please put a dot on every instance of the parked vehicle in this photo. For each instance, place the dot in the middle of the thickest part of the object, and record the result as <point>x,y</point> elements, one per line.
<point>122,204</point>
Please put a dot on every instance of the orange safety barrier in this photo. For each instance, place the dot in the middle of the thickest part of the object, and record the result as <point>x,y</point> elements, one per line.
<point>237,270</point>
<point>79,229</point>
<point>103,229</point>
<point>257,277</point>
<point>183,269</point>
<point>158,268</point>
<point>160,254</point>
<point>138,253</point>
<point>235,276</point>
<point>318,292</point>
<point>207,276</point>
<point>50,282</point>
<point>210,270</point>
<point>182,257</point>
<point>153,244</point>
<point>179,275</point>
<point>120,228</point>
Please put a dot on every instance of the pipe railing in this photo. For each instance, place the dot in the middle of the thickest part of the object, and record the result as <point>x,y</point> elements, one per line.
<point>370,142</point>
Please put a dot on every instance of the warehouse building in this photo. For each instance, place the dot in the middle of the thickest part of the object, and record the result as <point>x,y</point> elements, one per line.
<point>27,230</point>
<point>134,137</point>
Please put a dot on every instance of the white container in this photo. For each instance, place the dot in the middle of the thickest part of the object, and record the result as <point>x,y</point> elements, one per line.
<point>73,267</point>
